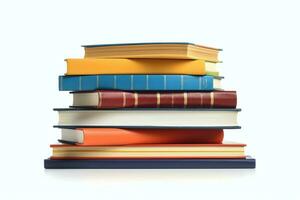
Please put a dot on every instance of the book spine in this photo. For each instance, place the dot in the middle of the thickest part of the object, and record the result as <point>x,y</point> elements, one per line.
<point>122,99</point>
<point>136,82</point>
<point>112,136</point>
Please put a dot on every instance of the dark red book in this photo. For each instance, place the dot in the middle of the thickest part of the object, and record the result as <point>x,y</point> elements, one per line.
<point>124,99</point>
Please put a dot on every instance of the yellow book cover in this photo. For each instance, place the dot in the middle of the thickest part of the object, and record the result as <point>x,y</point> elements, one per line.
<point>90,66</point>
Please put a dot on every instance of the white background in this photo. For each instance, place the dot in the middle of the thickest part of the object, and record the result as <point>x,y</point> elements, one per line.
<point>261,61</point>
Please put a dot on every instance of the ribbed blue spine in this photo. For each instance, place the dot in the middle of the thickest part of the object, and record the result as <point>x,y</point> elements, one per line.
<point>136,82</point>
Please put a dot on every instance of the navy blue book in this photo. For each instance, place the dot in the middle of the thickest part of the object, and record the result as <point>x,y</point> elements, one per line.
<point>246,163</point>
<point>139,83</point>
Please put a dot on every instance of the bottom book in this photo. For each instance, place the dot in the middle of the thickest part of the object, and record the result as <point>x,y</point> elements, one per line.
<point>245,163</point>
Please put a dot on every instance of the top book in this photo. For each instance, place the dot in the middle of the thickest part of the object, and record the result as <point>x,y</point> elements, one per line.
<point>171,50</point>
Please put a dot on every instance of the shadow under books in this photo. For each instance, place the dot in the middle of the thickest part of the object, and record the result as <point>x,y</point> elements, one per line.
<point>148,174</point>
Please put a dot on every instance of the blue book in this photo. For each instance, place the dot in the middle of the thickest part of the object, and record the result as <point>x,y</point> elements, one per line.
<point>139,83</point>
<point>219,163</point>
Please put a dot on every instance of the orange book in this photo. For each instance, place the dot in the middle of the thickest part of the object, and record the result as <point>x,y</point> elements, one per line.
<point>117,136</point>
<point>90,66</point>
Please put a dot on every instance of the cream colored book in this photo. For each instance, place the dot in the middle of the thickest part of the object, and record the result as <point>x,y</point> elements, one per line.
<point>225,150</point>
<point>163,118</point>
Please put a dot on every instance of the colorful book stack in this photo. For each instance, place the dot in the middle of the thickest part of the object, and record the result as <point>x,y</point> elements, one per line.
<point>147,105</point>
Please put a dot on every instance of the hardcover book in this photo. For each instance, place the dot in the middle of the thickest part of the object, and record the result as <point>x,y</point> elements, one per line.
<point>139,83</point>
<point>224,150</point>
<point>117,136</point>
<point>246,163</point>
<point>140,66</point>
<point>168,50</point>
<point>104,99</point>
<point>149,118</point>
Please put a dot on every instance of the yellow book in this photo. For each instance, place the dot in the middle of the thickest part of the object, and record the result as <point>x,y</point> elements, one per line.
<point>90,66</point>
<point>167,50</point>
<point>225,150</point>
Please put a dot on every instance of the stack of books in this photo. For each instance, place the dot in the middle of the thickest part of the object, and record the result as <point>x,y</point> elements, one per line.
<point>147,105</point>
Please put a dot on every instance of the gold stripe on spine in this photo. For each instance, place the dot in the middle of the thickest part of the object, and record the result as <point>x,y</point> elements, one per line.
<point>136,100</point>
<point>185,99</point>
<point>100,99</point>
<point>124,99</point>
<point>212,99</point>
<point>158,99</point>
